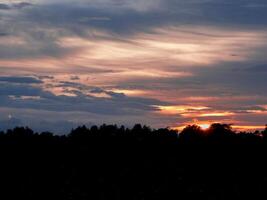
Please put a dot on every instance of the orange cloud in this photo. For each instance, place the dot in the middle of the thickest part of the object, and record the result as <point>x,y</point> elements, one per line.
<point>173,110</point>
<point>217,114</point>
<point>248,127</point>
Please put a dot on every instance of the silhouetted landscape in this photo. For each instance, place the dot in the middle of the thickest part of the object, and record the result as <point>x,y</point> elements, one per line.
<point>111,162</point>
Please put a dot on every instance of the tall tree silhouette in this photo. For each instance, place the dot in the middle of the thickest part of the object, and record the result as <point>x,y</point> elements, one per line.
<point>264,132</point>
<point>192,133</point>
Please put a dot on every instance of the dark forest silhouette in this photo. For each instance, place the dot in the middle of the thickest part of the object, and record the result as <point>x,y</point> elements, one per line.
<point>111,162</point>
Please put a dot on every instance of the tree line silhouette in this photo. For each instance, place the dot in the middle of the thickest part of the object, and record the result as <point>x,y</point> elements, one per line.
<point>111,162</point>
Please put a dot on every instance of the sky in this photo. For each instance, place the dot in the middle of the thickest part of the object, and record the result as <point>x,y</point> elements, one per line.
<point>164,63</point>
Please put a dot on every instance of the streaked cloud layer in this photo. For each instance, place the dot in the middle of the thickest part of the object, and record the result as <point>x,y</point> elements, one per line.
<point>163,63</point>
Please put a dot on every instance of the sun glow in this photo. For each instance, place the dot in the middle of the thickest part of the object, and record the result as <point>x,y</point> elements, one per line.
<point>204,126</point>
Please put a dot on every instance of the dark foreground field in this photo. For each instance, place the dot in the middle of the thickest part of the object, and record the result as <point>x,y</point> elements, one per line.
<point>117,163</point>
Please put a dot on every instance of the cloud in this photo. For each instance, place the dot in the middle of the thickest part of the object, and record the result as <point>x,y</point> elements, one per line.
<point>27,80</point>
<point>4,6</point>
<point>26,96</point>
<point>22,5</point>
<point>19,5</point>
<point>9,89</point>
<point>43,25</point>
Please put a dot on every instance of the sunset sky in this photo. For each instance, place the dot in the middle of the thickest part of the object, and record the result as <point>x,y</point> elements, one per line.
<point>163,63</point>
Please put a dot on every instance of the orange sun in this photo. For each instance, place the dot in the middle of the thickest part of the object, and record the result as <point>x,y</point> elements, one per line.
<point>204,126</point>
